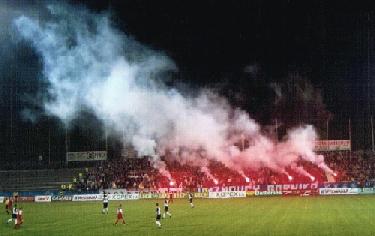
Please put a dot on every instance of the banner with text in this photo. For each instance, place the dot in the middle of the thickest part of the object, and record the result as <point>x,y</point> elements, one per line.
<point>127,196</point>
<point>268,193</point>
<point>62,198</point>
<point>338,191</point>
<point>367,191</point>
<point>265,187</point>
<point>111,197</point>
<point>26,199</point>
<point>332,145</point>
<point>45,198</point>
<point>233,194</point>
<point>86,156</point>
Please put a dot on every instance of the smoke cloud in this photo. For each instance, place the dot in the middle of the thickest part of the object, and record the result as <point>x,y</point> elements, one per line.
<point>88,63</point>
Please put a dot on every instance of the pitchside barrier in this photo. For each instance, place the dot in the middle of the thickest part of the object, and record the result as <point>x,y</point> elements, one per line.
<point>62,198</point>
<point>367,191</point>
<point>111,197</point>
<point>264,190</point>
<point>231,194</point>
<point>44,198</point>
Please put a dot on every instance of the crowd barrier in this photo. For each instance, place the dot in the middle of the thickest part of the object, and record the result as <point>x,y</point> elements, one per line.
<point>43,198</point>
<point>213,193</point>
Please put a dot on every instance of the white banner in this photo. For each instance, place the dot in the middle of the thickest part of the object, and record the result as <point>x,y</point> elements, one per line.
<point>332,145</point>
<point>87,197</point>
<point>62,198</point>
<point>86,156</point>
<point>337,191</point>
<point>111,197</point>
<point>231,194</point>
<point>1,200</point>
<point>127,196</point>
<point>267,193</point>
<point>42,198</point>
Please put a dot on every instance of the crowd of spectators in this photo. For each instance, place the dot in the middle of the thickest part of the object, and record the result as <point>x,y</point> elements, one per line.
<point>130,173</point>
<point>356,167</point>
<point>139,173</point>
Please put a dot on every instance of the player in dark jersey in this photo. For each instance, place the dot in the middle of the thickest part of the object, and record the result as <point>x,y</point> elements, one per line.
<point>158,215</point>
<point>166,208</point>
<point>14,214</point>
<point>191,200</point>
<point>105,203</point>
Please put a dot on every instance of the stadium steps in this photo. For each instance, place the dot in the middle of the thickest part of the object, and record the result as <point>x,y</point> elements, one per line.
<point>36,180</point>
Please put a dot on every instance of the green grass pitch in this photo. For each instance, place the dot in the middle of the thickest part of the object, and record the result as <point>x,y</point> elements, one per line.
<point>331,215</point>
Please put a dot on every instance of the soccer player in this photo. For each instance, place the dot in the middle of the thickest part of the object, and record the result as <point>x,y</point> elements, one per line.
<point>158,215</point>
<point>191,200</point>
<point>14,214</point>
<point>15,196</point>
<point>119,215</point>
<point>166,208</point>
<point>105,203</point>
<point>10,205</point>
<point>171,197</point>
<point>7,205</point>
<point>19,219</point>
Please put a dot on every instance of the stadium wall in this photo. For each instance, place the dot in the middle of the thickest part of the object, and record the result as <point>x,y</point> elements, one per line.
<point>305,190</point>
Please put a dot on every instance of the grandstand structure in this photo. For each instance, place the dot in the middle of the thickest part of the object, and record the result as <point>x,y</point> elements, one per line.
<point>36,180</point>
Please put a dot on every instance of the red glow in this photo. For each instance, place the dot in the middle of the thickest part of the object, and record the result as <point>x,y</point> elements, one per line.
<point>171,183</point>
<point>290,177</point>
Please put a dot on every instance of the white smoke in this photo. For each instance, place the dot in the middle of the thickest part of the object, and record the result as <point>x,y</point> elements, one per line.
<point>90,64</point>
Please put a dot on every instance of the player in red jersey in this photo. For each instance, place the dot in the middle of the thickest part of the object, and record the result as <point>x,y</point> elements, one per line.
<point>19,219</point>
<point>6,201</point>
<point>119,215</point>
<point>9,206</point>
<point>170,197</point>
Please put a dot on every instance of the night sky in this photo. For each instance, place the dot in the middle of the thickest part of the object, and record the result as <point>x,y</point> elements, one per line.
<point>242,49</point>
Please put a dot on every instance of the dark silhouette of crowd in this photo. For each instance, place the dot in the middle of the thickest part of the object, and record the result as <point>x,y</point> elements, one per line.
<point>140,174</point>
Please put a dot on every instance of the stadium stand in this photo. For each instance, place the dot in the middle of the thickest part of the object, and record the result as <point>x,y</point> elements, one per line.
<point>138,173</point>
<point>36,180</point>
<point>354,168</point>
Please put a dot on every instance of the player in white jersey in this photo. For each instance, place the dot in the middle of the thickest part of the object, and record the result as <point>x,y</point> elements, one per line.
<point>191,200</point>
<point>105,203</point>
<point>14,214</point>
<point>166,208</point>
<point>158,215</point>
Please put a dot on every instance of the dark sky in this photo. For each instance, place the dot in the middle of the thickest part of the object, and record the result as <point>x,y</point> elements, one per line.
<point>237,47</point>
<point>213,41</point>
